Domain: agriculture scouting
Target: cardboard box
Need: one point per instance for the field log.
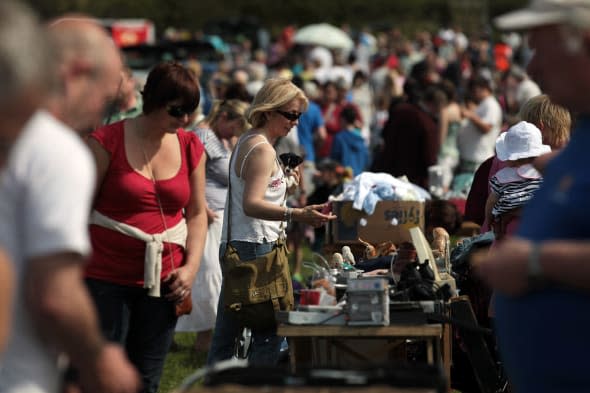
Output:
(391, 221)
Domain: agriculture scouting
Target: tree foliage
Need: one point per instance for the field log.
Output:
(408, 15)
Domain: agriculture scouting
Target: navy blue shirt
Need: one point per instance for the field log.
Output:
(543, 335)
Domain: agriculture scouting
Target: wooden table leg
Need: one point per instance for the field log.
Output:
(430, 351)
(447, 353)
(300, 353)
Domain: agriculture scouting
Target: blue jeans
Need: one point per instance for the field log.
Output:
(266, 345)
(144, 325)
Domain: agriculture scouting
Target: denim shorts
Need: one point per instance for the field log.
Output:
(248, 251)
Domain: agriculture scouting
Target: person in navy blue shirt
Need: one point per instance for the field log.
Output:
(542, 275)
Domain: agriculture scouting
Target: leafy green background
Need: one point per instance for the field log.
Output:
(408, 15)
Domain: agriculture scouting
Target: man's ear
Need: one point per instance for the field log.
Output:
(72, 73)
(78, 67)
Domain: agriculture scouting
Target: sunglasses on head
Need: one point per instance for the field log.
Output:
(179, 111)
(293, 116)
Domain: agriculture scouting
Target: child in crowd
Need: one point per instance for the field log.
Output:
(553, 120)
(349, 147)
(514, 185)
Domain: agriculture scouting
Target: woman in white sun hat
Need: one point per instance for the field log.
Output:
(514, 185)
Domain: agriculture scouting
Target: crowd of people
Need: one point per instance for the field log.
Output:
(120, 200)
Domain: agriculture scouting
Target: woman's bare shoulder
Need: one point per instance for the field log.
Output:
(257, 142)
(454, 112)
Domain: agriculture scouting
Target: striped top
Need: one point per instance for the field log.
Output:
(515, 186)
(217, 168)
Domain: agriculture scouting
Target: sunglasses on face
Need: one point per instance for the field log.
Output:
(179, 111)
(293, 116)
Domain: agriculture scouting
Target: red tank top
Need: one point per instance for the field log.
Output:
(129, 197)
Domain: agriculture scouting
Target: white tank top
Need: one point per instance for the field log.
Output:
(246, 228)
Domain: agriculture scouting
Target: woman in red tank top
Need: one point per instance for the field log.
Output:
(149, 220)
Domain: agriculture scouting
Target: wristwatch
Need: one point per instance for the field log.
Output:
(536, 279)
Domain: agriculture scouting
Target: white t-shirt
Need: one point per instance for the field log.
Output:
(526, 90)
(475, 146)
(46, 193)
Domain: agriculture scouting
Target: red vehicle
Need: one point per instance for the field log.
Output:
(131, 32)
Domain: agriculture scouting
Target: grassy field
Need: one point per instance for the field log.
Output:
(181, 362)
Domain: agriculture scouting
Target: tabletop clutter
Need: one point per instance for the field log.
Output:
(377, 266)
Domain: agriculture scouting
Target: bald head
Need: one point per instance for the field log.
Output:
(89, 68)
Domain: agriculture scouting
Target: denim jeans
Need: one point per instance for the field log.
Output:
(266, 345)
(144, 325)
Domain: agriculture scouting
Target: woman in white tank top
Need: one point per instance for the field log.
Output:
(258, 211)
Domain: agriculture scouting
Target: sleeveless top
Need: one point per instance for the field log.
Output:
(129, 197)
(449, 147)
(243, 227)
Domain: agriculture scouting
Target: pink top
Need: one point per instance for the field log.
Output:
(128, 196)
(496, 166)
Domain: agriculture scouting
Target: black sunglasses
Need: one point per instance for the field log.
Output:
(293, 116)
(179, 111)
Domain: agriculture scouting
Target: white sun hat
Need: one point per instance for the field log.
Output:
(522, 140)
(546, 12)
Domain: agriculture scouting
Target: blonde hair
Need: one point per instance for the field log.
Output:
(553, 120)
(235, 109)
(274, 94)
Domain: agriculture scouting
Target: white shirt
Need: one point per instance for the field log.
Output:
(526, 90)
(474, 145)
(46, 193)
(244, 227)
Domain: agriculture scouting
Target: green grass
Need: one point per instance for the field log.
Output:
(181, 362)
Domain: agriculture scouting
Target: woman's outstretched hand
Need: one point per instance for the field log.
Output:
(312, 215)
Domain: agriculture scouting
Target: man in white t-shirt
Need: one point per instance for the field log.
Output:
(477, 137)
(47, 189)
(21, 91)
